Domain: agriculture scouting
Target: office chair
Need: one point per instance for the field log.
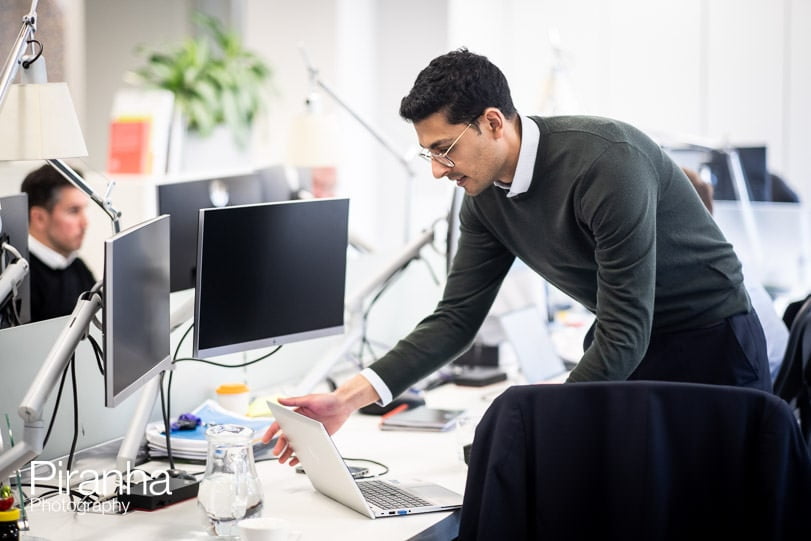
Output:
(637, 460)
(793, 381)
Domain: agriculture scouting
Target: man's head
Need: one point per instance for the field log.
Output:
(704, 189)
(465, 120)
(461, 85)
(56, 210)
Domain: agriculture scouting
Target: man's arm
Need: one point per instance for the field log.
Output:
(619, 204)
(331, 409)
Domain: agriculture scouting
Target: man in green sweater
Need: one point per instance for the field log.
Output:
(595, 207)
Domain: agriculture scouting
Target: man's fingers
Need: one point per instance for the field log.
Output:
(270, 432)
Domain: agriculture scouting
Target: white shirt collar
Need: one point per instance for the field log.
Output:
(49, 256)
(530, 138)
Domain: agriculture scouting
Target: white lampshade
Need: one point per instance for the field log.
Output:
(38, 122)
(313, 141)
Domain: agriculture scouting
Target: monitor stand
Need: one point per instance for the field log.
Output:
(129, 451)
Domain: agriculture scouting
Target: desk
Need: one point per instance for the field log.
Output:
(287, 494)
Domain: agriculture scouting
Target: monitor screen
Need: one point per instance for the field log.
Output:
(183, 200)
(270, 274)
(14, 231)
(135, 308)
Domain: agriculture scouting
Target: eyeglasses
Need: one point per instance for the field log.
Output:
(442, 158)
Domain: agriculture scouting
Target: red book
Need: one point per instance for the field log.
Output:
(129, 149)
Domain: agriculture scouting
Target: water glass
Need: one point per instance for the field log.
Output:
(230, 489)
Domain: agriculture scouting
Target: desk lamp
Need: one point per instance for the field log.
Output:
(38, 121)
(37, 118)
(314, 136)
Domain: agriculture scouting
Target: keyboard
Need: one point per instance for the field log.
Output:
(387, 496)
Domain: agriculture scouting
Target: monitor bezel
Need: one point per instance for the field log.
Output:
(269, 341)
(158, 313)
(249, 187)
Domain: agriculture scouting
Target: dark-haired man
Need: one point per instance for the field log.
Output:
(596, 208)
(57, 224)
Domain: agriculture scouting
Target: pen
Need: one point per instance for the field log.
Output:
(394, 411)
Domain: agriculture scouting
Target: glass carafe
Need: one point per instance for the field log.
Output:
(230, 490)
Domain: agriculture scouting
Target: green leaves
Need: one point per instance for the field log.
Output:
(6, 498)
(215, 81)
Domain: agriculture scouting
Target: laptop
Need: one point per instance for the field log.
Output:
(330, 476)
(527, 332)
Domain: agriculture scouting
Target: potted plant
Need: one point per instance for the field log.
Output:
(215, 80)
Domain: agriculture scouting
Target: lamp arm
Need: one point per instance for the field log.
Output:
(13, 275)
(316, 79)
(408, 252)
(66, 171)
(12, 64)
(31, 407)
(354, 306)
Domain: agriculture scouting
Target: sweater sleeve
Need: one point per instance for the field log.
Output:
(618, 206)
(479, 267)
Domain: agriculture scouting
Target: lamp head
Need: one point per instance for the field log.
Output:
(314, 136)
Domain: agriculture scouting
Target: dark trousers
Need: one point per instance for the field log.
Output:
(729, 352)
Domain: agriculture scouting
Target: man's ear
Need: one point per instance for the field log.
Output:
(493, 121)
(37, 218)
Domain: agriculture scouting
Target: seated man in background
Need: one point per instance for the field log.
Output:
(57, 225)
(773, 327)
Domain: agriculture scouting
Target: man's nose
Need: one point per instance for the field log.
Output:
(439, 170)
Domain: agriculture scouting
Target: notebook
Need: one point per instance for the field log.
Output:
(421, 418)
(528, 334)
(330, 476)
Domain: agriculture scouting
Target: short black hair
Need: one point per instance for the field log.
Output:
(44, 186)
(462, 85)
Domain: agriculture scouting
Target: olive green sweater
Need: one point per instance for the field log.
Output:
(610, 220)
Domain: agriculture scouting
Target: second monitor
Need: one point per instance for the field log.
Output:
(270, 274)
(183, 200)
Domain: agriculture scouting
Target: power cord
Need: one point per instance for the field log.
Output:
(370, 461)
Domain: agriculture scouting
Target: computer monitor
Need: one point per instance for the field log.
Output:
(183, 200)
(14, 229)
(270, 274)
(135, 308)
(715, 162)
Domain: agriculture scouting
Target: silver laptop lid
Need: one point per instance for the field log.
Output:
(323, 463)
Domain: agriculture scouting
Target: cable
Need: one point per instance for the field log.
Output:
(224, 365)
(180, 342)
(56, 406)
(72, 365)
(166, 428)
(26, 63)
(99, 353)
(370, 461)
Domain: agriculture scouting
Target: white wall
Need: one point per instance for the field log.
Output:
(728, 70)
(736, 70)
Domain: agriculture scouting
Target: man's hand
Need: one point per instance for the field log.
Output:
(331, 409)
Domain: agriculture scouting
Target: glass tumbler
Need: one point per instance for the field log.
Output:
(230, 489)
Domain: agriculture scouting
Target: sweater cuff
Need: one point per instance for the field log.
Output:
(382, 389)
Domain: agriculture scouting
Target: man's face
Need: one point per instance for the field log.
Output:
(476, 155)
(64, 227)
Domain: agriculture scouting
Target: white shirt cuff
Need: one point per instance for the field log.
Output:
(382, 389)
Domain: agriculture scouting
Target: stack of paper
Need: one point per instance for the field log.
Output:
(191, 444)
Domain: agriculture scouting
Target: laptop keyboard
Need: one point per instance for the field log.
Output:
(387, 496)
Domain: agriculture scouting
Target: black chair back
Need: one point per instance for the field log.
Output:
(793, 381)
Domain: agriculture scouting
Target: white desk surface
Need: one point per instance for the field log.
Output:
(287, 494)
